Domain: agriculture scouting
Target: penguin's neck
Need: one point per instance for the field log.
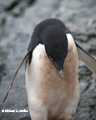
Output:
(40, 65)
(71, 61)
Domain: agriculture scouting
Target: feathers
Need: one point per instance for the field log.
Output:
(87, 59)
(51, 49)
(22, 63)
(49, 95)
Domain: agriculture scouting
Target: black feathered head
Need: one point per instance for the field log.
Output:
(56, 45)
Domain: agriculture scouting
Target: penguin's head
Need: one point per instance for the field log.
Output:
(56, 45)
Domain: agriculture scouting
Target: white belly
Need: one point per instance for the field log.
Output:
(48, 94)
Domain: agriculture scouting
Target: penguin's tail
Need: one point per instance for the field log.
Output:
(21, 64)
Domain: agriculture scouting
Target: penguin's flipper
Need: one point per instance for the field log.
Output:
(22, 63)
(87, 59)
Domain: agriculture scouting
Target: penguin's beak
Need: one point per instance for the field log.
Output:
(61, 73)
(58, 66)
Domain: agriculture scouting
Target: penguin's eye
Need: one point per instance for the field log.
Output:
(51, 58)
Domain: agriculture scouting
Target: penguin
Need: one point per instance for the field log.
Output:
(52, 71)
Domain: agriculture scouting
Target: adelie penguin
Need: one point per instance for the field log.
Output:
(52, 72)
